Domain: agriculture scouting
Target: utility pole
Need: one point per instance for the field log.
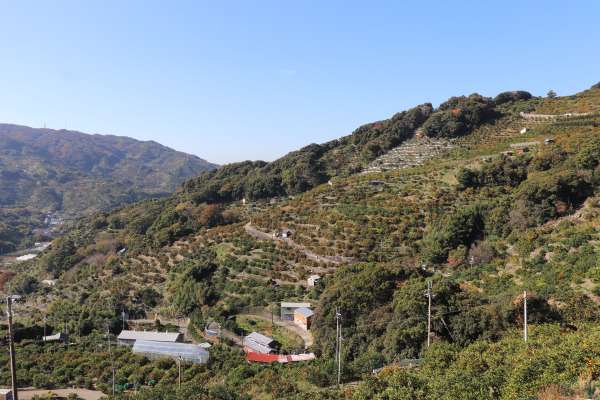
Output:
(113, 372)
(180, 371)
(108, 337)
(45, 341)
(340, 357)
(11, 345)
(428, 294)
(525, 313)
(337, 331)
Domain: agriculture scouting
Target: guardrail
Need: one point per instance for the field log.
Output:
(407, 363)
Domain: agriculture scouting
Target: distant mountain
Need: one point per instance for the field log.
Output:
(70, 171)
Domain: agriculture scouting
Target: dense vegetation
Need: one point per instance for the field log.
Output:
(71, 173)
(480, 225)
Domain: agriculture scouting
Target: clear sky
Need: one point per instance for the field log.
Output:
(250, 79)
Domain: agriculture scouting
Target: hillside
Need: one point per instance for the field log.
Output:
(72, 173)
(481, 225)
(58, 170)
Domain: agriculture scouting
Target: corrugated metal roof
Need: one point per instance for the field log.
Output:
(305, 312)
(295, 305)
(260, 338)
(257, 347)
(57, 336)
(151, 336)
(295, 358)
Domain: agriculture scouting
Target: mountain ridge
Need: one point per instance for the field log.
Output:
(37, 159)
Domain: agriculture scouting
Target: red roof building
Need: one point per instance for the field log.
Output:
(282, 359)
(262, 358)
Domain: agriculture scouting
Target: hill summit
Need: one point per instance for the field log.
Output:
(56, 170)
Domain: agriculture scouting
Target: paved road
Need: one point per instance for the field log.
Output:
(83, 394)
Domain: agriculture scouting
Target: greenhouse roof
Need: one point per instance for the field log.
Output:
(186, 351)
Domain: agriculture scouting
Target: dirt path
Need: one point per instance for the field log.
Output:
(84, 394)
(309, 254)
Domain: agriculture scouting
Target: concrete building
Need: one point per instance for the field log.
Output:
(287, 310)
(303, 317)
(311, 280)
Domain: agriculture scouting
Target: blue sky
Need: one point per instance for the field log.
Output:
(237, 80)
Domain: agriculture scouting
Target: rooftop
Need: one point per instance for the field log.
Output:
(266, 358)
(305, 312)
(295, 305)
(188, 352)
(259, 357)
(258, 347)
(260, 338)
(151, 336)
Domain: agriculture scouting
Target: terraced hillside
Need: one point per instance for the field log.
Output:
(470, 227)
(412, 153)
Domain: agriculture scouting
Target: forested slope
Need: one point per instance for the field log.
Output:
(482, 226)
(72, 171)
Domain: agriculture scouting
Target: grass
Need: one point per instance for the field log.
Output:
(282, 335)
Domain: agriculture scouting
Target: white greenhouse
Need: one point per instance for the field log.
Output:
(187, 352)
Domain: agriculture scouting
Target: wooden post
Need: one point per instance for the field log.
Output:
(525, 313)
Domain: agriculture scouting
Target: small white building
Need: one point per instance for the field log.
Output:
(51, 282)
(63, 337)
(525, 130)
(311, 280)
(130, 337)
(287, 310)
